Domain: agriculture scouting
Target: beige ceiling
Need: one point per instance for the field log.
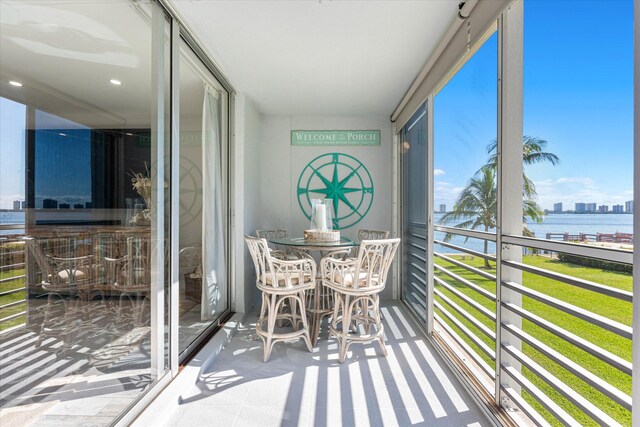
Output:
(64, 52)
(320, 57)
(291, 57)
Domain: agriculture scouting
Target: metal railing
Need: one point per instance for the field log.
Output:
(461, 311)
(12, 280)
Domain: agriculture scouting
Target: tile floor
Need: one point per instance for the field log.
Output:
(88, 377)
(412, 386)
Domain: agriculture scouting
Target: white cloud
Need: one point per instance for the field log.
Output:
(572, 190)
(438, 172)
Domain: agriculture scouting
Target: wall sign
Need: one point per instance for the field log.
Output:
(335, 137)
(341, 178)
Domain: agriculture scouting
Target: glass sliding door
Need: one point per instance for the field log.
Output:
(465, 125)
(83, 230)
(203, 272)
(414, 212)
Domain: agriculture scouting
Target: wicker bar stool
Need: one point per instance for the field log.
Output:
(357, 283)
(281, 280)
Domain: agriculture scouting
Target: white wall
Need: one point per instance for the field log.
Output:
(246, 154)
(280, 166)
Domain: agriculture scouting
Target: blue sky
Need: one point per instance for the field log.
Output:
(578, 95)
(63, 156)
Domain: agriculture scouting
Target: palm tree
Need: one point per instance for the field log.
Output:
(476, 205)
(532, 153)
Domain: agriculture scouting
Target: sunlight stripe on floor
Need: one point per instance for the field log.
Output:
(334, 401)
(393, 328)
(12, 361)
(451, 391)
(27, 370)
(10, 351)
(421, 379)
(33, 379)
(309, 395)
(358, 396)
(406, 394)
(3, 343)
(379, 386)
(404, 321)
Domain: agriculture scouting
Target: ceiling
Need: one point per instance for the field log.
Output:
(320, 57)
(64, 52)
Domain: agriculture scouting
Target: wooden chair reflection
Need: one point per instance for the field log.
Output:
(130, 278)
(66, 280)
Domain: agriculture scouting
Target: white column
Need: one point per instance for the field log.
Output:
(635, 390)
(174, 294)
(509, 179)
(429, 200)
(157, 186)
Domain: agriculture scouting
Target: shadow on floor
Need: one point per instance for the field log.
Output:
(409, 387)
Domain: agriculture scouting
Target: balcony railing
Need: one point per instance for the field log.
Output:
(564, 337)
(13, 303)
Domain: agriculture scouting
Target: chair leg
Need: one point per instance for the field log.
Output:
(293, 302)
(343, 342)
(376, 308)
(305, 325)
(337, 302)
(271, 324)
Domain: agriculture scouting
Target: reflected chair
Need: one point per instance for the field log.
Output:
(281, 280)
(131, 277)
(190, 266)
(66, 279)
(357, 283)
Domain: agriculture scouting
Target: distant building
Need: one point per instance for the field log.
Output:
(49, 204)
(581, 207)
(557, 208)
(443, 208)
(628, 206)
(16, 205)
(617, 209)
(64, 206)
(603, 209)
(78, 206)
(591, 207)
(23, 204)
(87, 205)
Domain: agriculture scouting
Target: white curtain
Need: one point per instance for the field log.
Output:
(214, 289)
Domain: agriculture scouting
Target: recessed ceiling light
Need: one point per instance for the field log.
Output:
(115, 82)
(129, 133)
(15, 83)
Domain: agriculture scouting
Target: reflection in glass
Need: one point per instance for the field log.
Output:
(414, 220)
(202, 260)
(77, 265)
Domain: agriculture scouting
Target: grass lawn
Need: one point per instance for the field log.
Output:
(603, 305)
(7, 299)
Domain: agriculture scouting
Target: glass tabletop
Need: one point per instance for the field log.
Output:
(302, 243)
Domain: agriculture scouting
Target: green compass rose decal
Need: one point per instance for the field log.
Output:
(341, 178)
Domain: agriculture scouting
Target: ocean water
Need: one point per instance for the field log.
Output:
(7, 218)
(555, 223)
(552, 223)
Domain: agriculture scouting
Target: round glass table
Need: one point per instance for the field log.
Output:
(301, 244)
(320, 299)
